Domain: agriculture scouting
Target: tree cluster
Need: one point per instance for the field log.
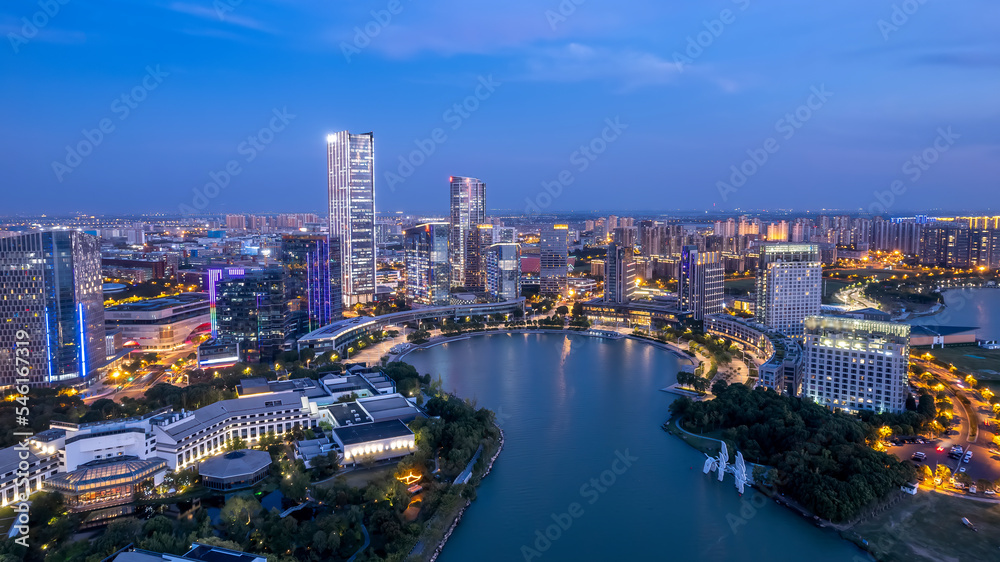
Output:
(824, 460)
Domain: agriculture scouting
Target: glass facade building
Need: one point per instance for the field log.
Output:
(312, 281)
(248, 307)
(619, 274)
(51, 306)
(503, 271)
(428, 271)
(701, 287)
(468, 210)
(351, 165)
(553, 253)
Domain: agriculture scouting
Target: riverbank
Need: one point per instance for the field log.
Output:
(457, 517)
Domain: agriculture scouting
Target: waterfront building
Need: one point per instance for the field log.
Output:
(351, 165)
(160, 324)
(468, 210)
(248, 307)
(619, 283)
(428, 271)
(780, 357)
(701, 286)
(503, 271)
(789, 286)
(553, 254)
(312, 277)
(855, 364)
(52, 307)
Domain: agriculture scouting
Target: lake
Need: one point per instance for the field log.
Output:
(586, 463)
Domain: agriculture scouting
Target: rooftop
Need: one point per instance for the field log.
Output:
(235, 463)
(355, 434)
(161, 303)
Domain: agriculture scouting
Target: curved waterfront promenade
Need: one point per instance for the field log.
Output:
(441, 339)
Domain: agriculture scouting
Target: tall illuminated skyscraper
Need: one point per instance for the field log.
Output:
(428, 275)
(312, 281)
(468, 210)
(619, 274)
(701, 287)
(351, 164)
(51, 306)
(503, 270)
(789, 286)
(552, 259)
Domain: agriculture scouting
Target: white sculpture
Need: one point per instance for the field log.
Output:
(721, 464)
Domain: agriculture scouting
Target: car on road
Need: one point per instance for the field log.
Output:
(989, 492)
(919, 456)
(968, 457)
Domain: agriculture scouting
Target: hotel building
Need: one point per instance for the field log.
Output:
(855, 364)
(789, 286)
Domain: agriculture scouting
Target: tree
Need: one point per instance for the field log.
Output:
(236, 444)
(942, 472)
(238, 514)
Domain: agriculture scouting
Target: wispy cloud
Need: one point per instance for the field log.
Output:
(215, 15)
(576, 62)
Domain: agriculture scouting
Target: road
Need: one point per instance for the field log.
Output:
(138, 387)
(985, 462)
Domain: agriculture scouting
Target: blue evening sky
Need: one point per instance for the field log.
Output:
(902, 77)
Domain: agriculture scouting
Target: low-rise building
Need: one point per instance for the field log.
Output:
(160, 324)
(779, 356)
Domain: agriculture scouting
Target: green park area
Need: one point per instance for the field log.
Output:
(984, 364)
(929, 527)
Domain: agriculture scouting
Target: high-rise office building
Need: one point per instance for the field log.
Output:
(248, 307)
(468, 210)
(503, 270)
(701, 286)
(553, 253)
(51, 306)
(351, 164)
(428, 270)
(312, 281)
(478, 242)
(619, 274)
(789, 286)
(855, 364)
